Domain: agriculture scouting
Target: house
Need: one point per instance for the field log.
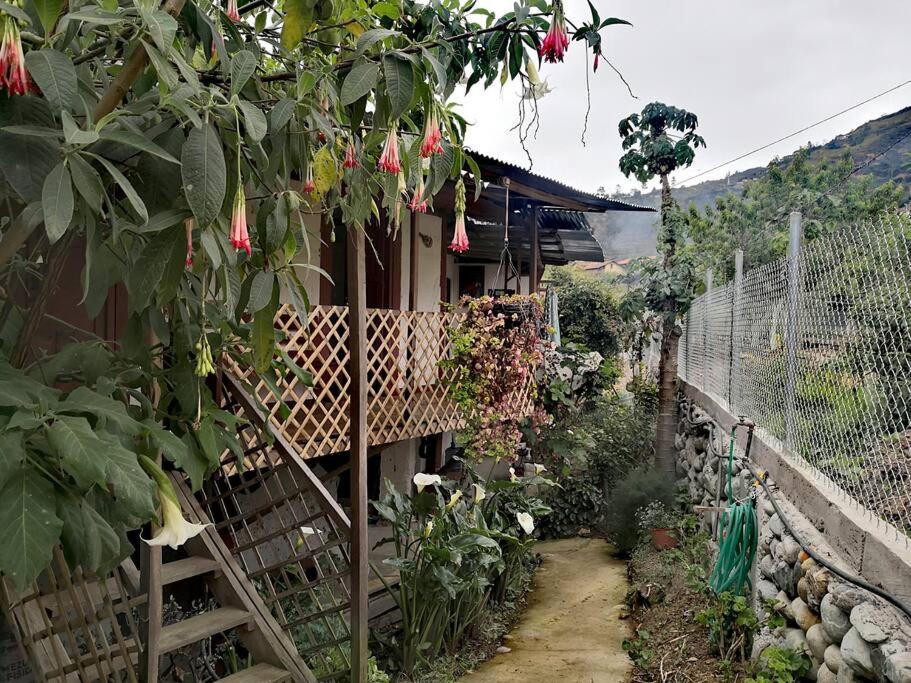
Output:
(283, 564)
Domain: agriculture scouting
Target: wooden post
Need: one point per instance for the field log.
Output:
(533, 275)
(357, 369)
(413, 264)
(151, 610)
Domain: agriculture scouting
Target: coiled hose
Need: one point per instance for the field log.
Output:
(739, 539)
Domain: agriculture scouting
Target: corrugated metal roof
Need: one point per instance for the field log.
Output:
(497, 167)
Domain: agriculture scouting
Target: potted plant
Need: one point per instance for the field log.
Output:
(657, 520)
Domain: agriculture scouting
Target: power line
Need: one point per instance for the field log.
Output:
(798, 132)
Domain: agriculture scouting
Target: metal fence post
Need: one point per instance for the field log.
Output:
(734, 358)
(791, 330)
(709, 275)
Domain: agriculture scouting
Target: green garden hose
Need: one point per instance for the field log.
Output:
(740, 536)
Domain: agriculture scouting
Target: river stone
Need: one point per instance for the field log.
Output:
(832, 657)
(767, 507)
(682, 469)
(847, 675)
(785, 577)
(855, 652)
(834, 619)
(815, 666)
(679, 441)
(766, 589)
(825, 675)
(871, 622)
(817, 581)
(775, 525)
(796, 639)
(767, 566)
(765, 540)
(788, 550)
(699, 443)
(802, 589)
(847, 597)
(897, 668)
(802, 614)
(818, 640)
(783, 605)
(773, 547)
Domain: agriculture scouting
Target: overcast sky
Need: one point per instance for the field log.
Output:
(752, 70)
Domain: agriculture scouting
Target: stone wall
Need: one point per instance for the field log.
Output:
(850, 634)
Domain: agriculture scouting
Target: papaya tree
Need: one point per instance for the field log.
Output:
(174, 149)
(658, 141)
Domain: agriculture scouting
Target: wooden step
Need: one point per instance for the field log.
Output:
(261, 673)
(187, 568)
(194, 629)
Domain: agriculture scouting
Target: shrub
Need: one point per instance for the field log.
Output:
(781, 665)
(636, 490)
(588, 311)
(731, 623)
(578, 501)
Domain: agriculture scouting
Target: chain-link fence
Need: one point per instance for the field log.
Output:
(816, 349)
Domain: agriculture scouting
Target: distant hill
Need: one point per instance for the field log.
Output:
(627, 235)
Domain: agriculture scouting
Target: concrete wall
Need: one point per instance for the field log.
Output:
(850, 634)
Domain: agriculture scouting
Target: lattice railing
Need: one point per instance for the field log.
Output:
(408, 391)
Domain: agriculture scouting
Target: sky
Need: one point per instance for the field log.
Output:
(752, 70)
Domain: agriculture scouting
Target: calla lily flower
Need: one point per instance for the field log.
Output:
(428, 528)
(539, 468)
(454, 499)
(512, 474)
(421, 480)
(176, 530)
(479, 493)
(526, 522)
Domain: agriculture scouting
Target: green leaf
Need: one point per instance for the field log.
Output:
(73, 134)
(16, 12)
(263, 337)
(12, 454)
(254, 120)
(399, 84)
(94, 15)
(29, 526)
(146, 275)
(298, 18)
(79, 449)
(48, 11)
(137, 141)
(281, 113)
(89, 541)
(204, 174)
(438, 69)
(369, 38)
(162, 27)
(261, 290)
(180, 454)
(243, 65)
(128, 190)
(83, 400)
(57, 202)
(87, 181)
(359, 81)
(132, 486)
(55, 74)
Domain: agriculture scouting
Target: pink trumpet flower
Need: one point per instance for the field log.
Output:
(417, 204)
(430, 145)
(350, 157)
(232, 12)
(389, 159)
(240, 238)
(459, 242)
(556, 41)
(189, 224)
(13, 76)
(309, 185)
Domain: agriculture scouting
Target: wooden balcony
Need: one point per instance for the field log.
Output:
(408, 391)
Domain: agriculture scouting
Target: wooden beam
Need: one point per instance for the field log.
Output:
(546, 197)
(448, 227)
(413, 264)
(150, 611)
(357, 370)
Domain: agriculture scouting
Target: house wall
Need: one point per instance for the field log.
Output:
(428, 262)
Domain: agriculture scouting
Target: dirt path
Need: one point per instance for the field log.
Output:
(570, 631)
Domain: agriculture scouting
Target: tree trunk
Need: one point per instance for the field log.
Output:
(670, 337)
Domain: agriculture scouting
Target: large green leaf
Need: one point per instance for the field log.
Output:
(132, 486)
(88, 539)
(180, 454)
(128, 190)
(162, 27)
(48, 11)
(55, 74)
(80, 451)
(84, 401)
(204, 174)
(87, 181)
(147, 273)
(12, 454)
(137, 141)
(359, 81)
(399, 75)
(29, 526)
(254, 120)
(243, 65)
(298, 17)
(263, 337)
(57, 202)
(261, 290)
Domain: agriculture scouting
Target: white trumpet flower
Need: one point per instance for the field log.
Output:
(512, 474)
(176, 530)
(539, 468)
(479, 493)
(422, 480)
(526, 522)
(453, 500)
